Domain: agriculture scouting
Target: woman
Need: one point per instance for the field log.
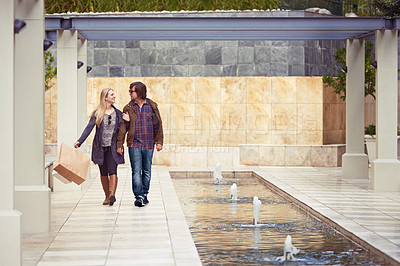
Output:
(107, 119)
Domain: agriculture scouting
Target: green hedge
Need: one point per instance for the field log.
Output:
(61, 6)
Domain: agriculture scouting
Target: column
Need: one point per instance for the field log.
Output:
(82, 95)
(10, 219)
(82, 91)
(355, 161)
(32, 196)
(386, 167)
(67, 95)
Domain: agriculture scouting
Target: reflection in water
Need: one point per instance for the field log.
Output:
(223, 232)
(233, 207)
(257, 238)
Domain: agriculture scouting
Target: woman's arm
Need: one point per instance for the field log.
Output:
(86, 132)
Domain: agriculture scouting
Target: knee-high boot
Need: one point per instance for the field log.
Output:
(113, 188)
(106, 188)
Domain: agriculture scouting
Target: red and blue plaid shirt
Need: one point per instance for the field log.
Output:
(144, 134)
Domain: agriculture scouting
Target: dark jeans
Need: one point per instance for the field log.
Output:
(141, 170)
(109, 166)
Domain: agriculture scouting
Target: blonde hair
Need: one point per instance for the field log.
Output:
(101, 108)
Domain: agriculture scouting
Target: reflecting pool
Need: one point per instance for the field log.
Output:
(224, 233)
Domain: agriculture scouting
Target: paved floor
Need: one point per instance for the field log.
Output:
(84, 232)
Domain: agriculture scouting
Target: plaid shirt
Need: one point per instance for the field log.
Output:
(144, 134)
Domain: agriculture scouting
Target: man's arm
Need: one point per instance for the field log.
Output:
(121, 135)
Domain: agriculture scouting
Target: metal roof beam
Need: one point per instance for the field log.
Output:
(218, 28)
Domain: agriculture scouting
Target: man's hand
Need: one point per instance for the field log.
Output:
(159, 147)
(120, 150)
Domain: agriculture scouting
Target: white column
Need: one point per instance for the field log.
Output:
(355, 161)
(67, 95)
(386, 167)
(82, 95)
(82, 90)
(10, 219)
(32, 196)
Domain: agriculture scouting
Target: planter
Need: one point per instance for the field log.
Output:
(370, 141)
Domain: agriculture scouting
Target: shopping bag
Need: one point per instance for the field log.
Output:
(60, 177)
(72, 164)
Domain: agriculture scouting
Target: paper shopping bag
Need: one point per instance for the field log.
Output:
(72, 164)
(60, 177)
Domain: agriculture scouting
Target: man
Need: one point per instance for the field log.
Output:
(144, 131)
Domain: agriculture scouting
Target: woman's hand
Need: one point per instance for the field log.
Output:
(120, 150)
(126, 117)
(77, 145)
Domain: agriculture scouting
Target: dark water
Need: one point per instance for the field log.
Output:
(224, 235)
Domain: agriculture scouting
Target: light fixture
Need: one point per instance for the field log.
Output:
(374, 64)
(344, 69)
(80, 64)
(47, 44)
(19, 24)
(88, 69)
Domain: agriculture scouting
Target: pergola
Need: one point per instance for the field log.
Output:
(190, 26)
(22, 135)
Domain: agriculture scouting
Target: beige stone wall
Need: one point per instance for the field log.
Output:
(222, 111)
(50, 106)
(334, 118)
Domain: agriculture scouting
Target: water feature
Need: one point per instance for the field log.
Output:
(256, 210)
(224, 234)
(233, 191)
(217, 173)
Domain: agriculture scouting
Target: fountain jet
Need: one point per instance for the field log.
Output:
(289, 250)
(217, 173)
(257, 209)
(233, 191)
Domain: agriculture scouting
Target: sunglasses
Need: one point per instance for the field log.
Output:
(130, 91)
(109, 119)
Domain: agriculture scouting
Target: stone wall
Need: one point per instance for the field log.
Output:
(226, 112)
(210, 58)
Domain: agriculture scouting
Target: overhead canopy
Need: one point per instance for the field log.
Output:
(105, 27)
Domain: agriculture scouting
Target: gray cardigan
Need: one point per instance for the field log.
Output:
(97, 150)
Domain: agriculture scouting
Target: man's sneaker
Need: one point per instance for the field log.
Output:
(145, 200)
(139, 201)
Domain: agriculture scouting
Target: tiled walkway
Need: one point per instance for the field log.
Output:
(86, 233)
(351, 204)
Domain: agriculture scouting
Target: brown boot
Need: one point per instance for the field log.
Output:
(106, 188)
(113, 188)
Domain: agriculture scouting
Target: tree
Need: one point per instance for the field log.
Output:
(389, 8)
(49, 70)
(339, 83)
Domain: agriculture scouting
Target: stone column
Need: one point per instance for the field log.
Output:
(10, 219)
(32, 196)
(355, 161)
(386, 167)
(67, 95)
(82, 87)
(82, 94)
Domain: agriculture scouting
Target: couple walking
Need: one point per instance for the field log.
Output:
(141, 122)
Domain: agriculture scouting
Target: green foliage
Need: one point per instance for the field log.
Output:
(49, 70)
(388, 8)
(370, 130)
(60, 6)
(338, 83)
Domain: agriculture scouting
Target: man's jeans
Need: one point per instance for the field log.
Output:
(141, 170)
